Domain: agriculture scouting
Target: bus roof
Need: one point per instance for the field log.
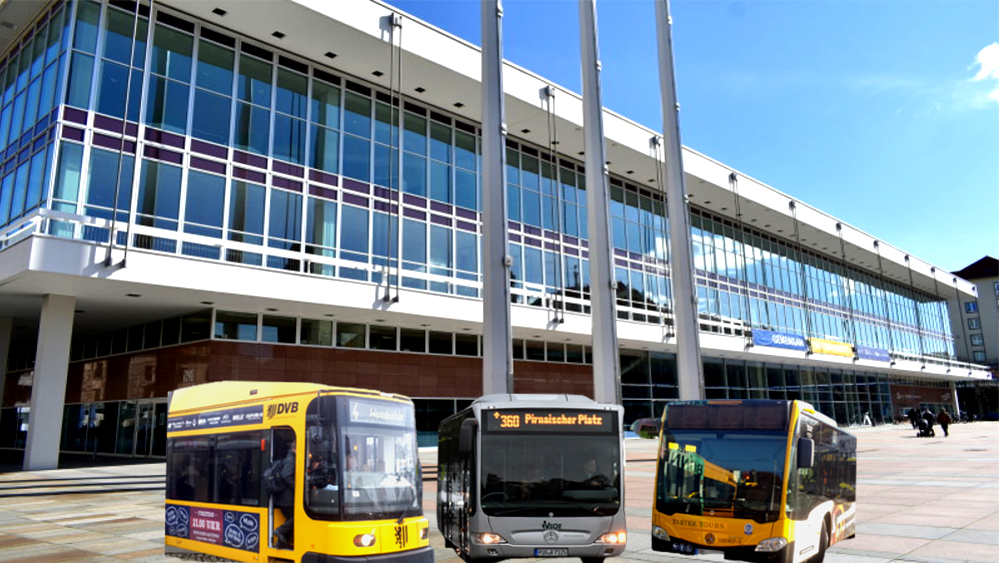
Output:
(220, 393)
(532, 397)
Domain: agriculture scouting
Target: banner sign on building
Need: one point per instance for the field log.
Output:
(226, 528)
(831, 347)
(217, 419)
(875, 354)
(778, 340)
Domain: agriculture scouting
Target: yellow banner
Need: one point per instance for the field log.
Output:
(831, 347)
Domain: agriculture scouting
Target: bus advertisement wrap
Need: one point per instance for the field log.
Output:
(240, 416)
(227, 528)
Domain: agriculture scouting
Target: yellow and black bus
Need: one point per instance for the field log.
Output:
(758, 480)
(357, 493)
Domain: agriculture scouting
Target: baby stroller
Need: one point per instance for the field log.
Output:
(924, 428)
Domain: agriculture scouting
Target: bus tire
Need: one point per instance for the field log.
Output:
(824, 542)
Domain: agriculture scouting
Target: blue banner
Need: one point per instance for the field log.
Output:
(217, 526)
(778, 340)
(876, 354)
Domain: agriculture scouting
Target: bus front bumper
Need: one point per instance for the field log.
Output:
(419, 555)
(506, 550)
(743, 553)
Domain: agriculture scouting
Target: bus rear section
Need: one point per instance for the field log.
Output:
(532, 476)
(355, 493)
(760, 481)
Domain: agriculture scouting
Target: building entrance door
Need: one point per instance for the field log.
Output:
(150, 428)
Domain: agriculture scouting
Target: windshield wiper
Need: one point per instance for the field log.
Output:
(413, 499)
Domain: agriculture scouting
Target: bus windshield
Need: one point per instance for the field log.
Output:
(374, 473)
(550, 475)
(735, 474)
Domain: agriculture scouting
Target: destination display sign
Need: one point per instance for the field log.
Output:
(380, 412)
(228, 528)
(239, 416)
(549, 420)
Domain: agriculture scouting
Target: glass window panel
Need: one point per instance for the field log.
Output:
(289, 139)
(6, 194)
(386, 164)
(354, 229)
(80, 73)
(292, 89)
(513, 203)
(246, 211)
(67, 186)
(118, 39)
(278, 329)
(88, 16)
(211, 117)
(414, 134)
(465, 150)
(350, 335)
(414, 174)
(286, 215)
(465, 189)
(235, 326)
(316, 333)
(440, 342)
(533, 265)
(254, 81)
(114, 89)
(384, 235)
(441, 250)
(325, 104)
(172, 52)
(466, 251)
(357, 115)
(159, 194)
(205, 202)
(101, 184)
(441, 182)
(167, 104)
(252, 128)
(412, 340)
(382, 337)
(321, 222)
(466, 344)
(215, 68)
(357, 158)
(441, 142)
(325, 153)
(386, 124)
(532, 207)
(414, 241)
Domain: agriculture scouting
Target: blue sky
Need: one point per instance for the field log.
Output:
(883, 114)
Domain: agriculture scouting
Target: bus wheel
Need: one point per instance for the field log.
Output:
(824, 542)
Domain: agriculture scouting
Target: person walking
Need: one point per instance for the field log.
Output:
(944, 420)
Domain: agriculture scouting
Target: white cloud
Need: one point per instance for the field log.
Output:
(988, 60)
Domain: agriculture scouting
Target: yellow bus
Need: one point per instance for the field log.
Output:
(757, 480)
(357, 492)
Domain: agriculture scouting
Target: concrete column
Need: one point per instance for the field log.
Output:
(48, 388)
(6, 329)
(954, 401)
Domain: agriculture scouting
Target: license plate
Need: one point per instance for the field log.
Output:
(552, 552)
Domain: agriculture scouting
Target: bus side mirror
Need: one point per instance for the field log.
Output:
(466, 435)
(806, 452)
(648, 428)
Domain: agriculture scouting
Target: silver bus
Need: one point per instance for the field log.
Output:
(532, 476)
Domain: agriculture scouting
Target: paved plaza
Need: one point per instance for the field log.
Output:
(932, 500)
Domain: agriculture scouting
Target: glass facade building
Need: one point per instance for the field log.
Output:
(151, 130)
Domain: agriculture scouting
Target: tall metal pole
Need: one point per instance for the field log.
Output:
(603, 317)
(689, 371)
(498, 372)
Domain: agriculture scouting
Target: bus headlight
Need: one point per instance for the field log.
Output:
(613, 537)
(490, 539)
(423, 533)
(660, 534)
(772, 544)
(365, 540)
